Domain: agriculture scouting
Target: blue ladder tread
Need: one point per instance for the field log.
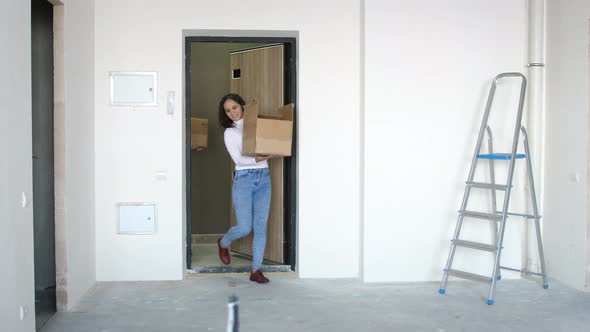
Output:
(499, 156)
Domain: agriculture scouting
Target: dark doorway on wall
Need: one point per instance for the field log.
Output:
(208, 172)
(43, 169)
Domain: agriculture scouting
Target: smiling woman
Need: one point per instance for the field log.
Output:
(231, 108)
(251, 187)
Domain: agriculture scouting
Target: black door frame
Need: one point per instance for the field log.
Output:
(290, 165)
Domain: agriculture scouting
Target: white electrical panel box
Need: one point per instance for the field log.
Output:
(134, 88)
(136, 218)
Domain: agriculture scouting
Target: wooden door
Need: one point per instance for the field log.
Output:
(258, 74)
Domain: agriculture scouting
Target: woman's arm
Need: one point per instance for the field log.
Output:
(232, 144)
(262, 157)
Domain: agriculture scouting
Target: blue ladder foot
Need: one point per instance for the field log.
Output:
(498, 277)
(490, 302)
(442, 291)
(546, 286)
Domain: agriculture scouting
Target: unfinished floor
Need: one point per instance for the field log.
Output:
(207, 255)
(198, 303)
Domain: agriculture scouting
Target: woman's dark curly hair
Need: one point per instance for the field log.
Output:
(224, 120)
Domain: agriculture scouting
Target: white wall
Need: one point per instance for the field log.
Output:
(16, 222)
(131, 145)
(428, 67)
(567, 140)
(79, 148)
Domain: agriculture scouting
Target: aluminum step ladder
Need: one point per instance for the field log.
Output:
(500, 216)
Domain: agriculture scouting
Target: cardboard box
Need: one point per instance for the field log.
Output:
(267, 134)
(199, 132)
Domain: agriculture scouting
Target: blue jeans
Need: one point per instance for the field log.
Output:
(251, 198)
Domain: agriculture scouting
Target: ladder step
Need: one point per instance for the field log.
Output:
(475, 245)
(499, 156)
(487, 185)
(529, 216)
(470, 276)
(481, 215)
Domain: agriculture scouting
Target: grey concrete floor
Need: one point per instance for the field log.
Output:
(199, 303)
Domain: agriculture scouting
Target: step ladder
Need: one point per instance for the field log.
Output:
(500, 216)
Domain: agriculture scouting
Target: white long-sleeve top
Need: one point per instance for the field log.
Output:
(233, 143)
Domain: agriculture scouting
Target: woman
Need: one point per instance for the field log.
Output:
(251, 187)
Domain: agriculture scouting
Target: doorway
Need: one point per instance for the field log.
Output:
(209, 170)
(43, 160)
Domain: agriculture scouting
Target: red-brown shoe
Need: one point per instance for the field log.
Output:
(223, 253)
(258, 277)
